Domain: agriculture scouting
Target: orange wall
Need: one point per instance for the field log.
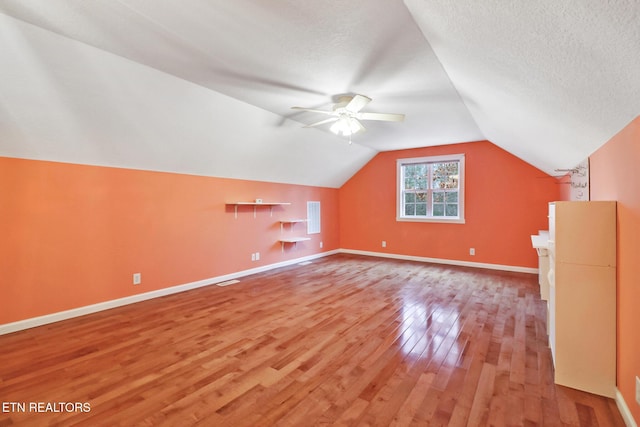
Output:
(565, 187)
(615, 176)
(73, 235)
(505, 202)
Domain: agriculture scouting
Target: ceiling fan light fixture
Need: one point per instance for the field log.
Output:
(345, 126)
(346, 115)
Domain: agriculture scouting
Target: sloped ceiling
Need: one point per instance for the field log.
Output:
(550, 81)
(206, 86)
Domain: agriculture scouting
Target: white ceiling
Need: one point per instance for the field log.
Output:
(206, 86)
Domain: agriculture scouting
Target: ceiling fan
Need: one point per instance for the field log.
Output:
(346, 115)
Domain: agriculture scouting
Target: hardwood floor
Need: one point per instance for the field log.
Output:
(347, 340)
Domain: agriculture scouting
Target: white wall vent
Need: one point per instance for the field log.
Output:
(228, 282)
(313, 217)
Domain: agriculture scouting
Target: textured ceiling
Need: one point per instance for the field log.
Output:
(550, 81)
(206, 86)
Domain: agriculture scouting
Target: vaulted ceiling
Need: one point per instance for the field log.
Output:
(205, 86)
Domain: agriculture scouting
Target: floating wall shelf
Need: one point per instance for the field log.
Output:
(290, 221)
(255, 206)
(294, 240)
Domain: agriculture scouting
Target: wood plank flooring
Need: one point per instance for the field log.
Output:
(344, 341)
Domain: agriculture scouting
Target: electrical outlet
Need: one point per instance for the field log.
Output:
(253, 256)
(472, 251)
(257, 256)
(638, 390)
(137, 278)
(384, 243)
(320, 245)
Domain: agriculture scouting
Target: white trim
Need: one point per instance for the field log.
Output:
(513, 268)
(442, 220)
(431, 159)
(8, 328)
(106, 305)
(624, 410)
(401, 217)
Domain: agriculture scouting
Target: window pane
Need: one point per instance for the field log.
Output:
(438, 209)
(415, 176)
(451, 197)
(421, 209)
(445, 175)
(421, 197)
(438, 197)
(410, 210)
(409, 197)
(409, 176)
(452, 210)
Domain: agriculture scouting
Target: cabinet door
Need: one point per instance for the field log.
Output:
(585, 328)
(585, 233)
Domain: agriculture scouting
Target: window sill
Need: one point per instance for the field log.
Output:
(436, 220)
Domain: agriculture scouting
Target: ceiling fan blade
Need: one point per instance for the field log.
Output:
(357, 103)
(330, 113)
(387, 117)
(321, 122)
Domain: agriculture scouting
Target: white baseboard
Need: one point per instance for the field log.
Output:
(624, 410)
(513, 268)
(33, 322)
(106, 305)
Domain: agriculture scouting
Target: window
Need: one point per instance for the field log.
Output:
(431, 189)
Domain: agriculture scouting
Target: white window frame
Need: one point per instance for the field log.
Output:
(400, 216)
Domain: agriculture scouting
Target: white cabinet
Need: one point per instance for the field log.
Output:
(582, 295)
